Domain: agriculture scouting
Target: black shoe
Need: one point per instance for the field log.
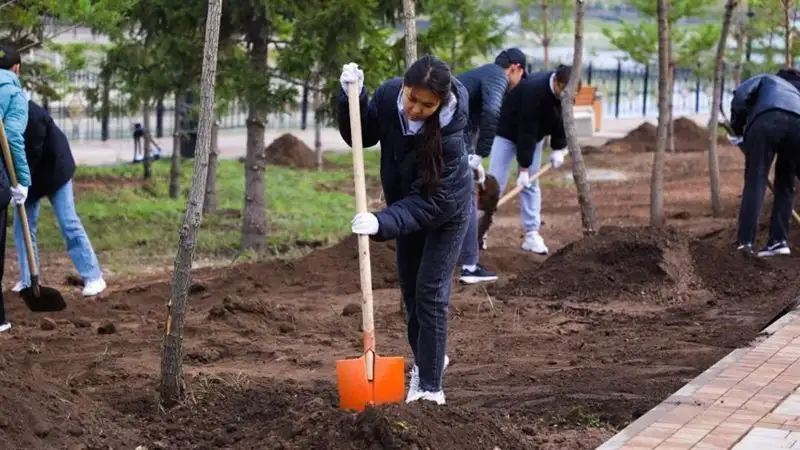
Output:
(775, 248)
(745, 248)
(480, 274)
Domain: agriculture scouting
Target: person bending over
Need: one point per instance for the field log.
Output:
(530, 111)
(419, 121)
(765, 119)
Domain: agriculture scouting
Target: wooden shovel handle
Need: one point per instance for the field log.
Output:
(517, 189)
(12, 176)
(363, 240)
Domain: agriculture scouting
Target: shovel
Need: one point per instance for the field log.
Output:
(369, 379)
(518, 188)
(37, 298)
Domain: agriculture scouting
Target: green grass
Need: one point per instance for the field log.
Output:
(127, 220)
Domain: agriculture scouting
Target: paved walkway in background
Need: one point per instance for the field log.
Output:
(750, 400)
(232, 143)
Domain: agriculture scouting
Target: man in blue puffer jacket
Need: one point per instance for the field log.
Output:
(486, 85)
(14, 114)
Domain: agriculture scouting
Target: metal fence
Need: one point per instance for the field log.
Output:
(629, 90)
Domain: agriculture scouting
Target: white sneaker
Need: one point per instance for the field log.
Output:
(413, 383)
(18, 287)
(94, 287)
(534, 243)
(436, 397)
(5, 327)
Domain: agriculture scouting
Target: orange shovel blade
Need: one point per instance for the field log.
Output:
(356, 392)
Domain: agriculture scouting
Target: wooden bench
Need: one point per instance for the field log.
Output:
(587, 96)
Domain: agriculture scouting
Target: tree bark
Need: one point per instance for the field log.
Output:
(318, 130)
(171, 383)
(588, 213)
(410, 31)
(210, 199)
(175, 159)
(254, 215)
(716, 100)
(657, 179)
(788, 32)
(739, 23)
(147, 162)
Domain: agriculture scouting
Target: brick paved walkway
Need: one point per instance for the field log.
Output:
(750, 400)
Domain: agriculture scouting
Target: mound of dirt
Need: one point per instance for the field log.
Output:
(617, 259)
(689, 137)
(334, 268)
(289, 151)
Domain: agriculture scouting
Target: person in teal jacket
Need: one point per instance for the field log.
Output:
(14, 114)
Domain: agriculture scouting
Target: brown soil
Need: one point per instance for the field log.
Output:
(289, 151)
(558, 355)
(689, 137)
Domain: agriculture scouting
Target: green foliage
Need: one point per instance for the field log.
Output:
(690, 47)
(548, 26)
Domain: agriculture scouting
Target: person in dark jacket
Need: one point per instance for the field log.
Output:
(419, 121)
(765, 119)
(530, 111)
(52, 167)
(486, 86)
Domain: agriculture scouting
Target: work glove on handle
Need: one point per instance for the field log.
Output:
(476, 164)
(735, 140)
(351, 74)
(480, 175)
(365, 223)
(557, 158)
(524, 178)
(19, 194)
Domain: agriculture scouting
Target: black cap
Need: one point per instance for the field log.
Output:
(8, 57)
(511, 56)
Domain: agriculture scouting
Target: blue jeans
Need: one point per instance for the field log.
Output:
(78, 246)
(469, 250)
(504, 152)
(425, 263)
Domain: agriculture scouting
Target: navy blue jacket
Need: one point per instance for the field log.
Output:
(530, 112)
(48, 152)
(409, 210)
(486, 86)
(760, 94)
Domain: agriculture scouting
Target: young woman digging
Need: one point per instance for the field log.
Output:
(419, 121)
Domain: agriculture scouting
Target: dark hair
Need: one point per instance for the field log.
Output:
(9, 57)
(433, 74)
(563, 73)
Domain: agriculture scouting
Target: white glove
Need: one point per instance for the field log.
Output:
(735, 140)
(524, 178)
(352, 74)
(481, 174)
(557, 158)
(365, 223)
(19, 193)
(475, 161)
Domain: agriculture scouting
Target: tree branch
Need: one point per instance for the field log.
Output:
(37, 44)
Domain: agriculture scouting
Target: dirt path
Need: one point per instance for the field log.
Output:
(554, 356)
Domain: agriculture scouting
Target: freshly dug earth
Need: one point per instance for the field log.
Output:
(289, 151)
(689, 137)
(556, 356)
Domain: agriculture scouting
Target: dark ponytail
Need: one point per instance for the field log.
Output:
(433, 74)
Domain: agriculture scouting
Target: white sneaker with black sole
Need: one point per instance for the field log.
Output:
(476, 274)
(534, 243)
(775, 249)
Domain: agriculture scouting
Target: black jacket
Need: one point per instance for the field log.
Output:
(760, 94)
(486, 87)
(408, 210)
(530, 112)
(49, 155)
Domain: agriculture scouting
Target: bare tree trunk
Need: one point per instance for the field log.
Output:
(147, 163)
(254, 216)
(545, 35)
(210, 199)
(410, 28)
(670, 102)
(739, 23)
(318, 131)
(175, 159)
(788, 31)
(588, 213)
(171, 384)
(657, 179)
(713, 160)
